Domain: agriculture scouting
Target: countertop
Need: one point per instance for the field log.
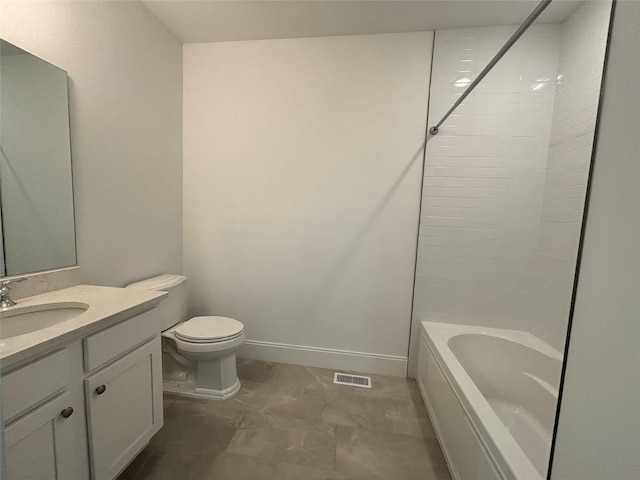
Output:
(107, 306)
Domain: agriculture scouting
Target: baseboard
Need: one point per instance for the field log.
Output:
(324, 358)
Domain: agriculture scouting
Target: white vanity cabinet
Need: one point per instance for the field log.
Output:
(44, 416)
(124, 398)
(85, 410)
(41, 444)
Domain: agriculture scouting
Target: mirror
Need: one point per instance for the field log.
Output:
(37, 229)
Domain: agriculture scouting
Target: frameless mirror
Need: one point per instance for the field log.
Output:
(37, 230)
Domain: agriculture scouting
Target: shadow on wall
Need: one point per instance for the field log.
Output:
(328, 285)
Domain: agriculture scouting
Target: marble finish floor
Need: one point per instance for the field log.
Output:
(292, 423)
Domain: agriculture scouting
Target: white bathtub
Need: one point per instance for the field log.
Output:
(492, 395)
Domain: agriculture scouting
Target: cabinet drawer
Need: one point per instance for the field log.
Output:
(109, 344)
(28, 386)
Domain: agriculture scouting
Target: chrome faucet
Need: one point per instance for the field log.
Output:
(5, 287)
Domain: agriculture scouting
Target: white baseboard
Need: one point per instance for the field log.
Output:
(324, 358)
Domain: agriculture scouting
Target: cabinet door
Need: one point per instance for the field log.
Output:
(124, 409)
(39, 446)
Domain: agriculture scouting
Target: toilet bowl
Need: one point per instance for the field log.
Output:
(199, 354)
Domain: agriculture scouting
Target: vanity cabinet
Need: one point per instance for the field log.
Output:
(44, 416)
(86, 410)
(124, 409)
(40, 444)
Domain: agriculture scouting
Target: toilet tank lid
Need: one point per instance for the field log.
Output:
(161, 282)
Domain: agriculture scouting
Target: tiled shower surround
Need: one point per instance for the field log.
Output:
(505, 178)
(572, 133)
(484, 177)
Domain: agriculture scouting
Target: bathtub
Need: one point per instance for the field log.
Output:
(492, 396)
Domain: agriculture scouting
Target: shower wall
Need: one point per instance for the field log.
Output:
(505, 179)
(584, 38)
(484, 176)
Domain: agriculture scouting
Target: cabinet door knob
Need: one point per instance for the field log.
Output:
(101, 389)
(66, 413)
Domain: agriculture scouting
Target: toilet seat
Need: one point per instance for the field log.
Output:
(208, 329)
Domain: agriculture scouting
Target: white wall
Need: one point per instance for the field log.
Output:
(483, 178)
(599, 425)
(302, 173)
(125, 76)
(584, 38)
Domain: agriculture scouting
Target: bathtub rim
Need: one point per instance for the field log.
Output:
(504, 452)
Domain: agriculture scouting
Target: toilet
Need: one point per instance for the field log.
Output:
(198, 354)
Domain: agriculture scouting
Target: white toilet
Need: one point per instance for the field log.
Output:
(199, 354)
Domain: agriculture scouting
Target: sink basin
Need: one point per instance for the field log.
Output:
(21, 320)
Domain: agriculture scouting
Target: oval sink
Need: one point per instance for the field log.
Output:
(31, 318)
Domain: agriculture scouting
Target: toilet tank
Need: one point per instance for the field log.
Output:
(172, 309)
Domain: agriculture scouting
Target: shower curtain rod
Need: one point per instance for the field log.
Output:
(514, 38)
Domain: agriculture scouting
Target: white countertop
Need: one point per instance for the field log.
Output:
(107, 306)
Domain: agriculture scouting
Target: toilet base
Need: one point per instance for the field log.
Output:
(190, 389)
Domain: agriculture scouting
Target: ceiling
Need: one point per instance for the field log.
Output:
(195, 21)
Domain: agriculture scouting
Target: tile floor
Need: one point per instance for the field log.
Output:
(292, 422)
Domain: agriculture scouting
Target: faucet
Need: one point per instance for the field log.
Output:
(5, 287)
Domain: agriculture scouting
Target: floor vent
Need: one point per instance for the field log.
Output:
(353, 380)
